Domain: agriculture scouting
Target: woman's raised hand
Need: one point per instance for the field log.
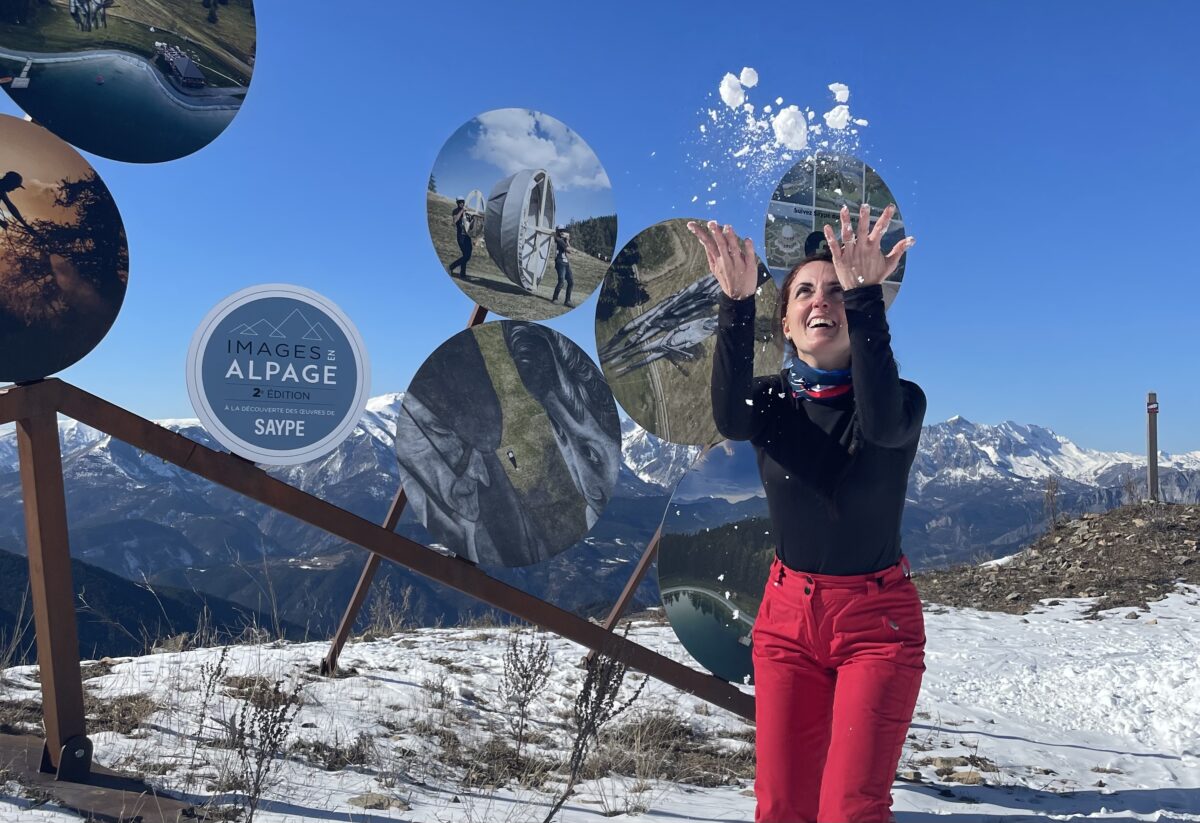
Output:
(731, 261)
(859, 260)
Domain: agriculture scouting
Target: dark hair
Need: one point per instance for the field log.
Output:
(549, 363)
(812, 243)
(785, 291)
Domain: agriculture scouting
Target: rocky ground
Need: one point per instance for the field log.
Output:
(1124, 558)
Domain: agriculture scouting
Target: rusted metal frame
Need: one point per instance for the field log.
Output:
(635, 580)
(330, 661)
(28, 400)
(67, 749)
(639, 571)
(239, 476)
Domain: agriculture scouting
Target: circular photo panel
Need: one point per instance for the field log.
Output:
(521, 214)
(63, 258)
(810, 196)
(714, 556)
(509, 443)
(656, 327)
(140, 81)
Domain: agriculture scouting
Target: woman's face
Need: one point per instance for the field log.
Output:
(815, 320)
(588, 452)
(447, 472)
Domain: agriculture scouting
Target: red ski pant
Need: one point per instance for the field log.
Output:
(837, 668)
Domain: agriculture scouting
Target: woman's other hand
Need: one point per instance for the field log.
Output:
(731, 261)
(858, 259)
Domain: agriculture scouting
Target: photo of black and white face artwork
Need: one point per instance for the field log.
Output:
(810, 196)
(656, 326)
(713, 558)
(509, 443)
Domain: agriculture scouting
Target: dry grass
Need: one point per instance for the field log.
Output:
(661, 745)
(121, 714)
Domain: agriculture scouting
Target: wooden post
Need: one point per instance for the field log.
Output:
(67, 749)
(1152, 444)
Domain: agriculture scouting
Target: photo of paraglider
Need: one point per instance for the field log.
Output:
(713, 558)
(810, 196)
(509, 444)
(656, 325)
(139, 81)
(521, 214)
(64, 261)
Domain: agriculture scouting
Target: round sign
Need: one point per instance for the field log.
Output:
(713, 558)
(521, 214)
(278, 374)
(140, 81)
(509, 443)
(64, 262)
(656, 333)
(810, 196)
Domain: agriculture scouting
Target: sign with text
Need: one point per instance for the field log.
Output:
(278, 374)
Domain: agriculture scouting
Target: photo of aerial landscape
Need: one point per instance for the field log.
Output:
(141, 81)
(656, 326)
(63, 257)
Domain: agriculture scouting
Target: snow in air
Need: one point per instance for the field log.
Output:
(756, 145)
(731, 91)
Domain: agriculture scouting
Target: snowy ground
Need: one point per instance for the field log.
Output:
(1078, 718)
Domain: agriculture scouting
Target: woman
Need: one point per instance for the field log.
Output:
(838, 643)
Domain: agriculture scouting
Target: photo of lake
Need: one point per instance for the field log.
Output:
(139, 81)
(713, 557)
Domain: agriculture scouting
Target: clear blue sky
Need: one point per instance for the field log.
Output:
(1044, 155)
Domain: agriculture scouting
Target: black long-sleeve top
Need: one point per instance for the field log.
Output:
(835, 471)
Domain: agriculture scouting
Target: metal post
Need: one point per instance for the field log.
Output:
(635, 580)
(67, 749)
(1152, 444)
(643, 565)
(257, 485)
(330, 661)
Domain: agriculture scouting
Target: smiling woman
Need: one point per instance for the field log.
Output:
(835, 434)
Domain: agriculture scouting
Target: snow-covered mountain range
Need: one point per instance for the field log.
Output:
(975, 490)
(981, 489)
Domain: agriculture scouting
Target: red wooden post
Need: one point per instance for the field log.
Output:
(67, 749)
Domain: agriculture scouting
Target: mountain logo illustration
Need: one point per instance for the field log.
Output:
(295, 325)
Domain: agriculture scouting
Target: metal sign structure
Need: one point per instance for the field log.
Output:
(34, 408)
